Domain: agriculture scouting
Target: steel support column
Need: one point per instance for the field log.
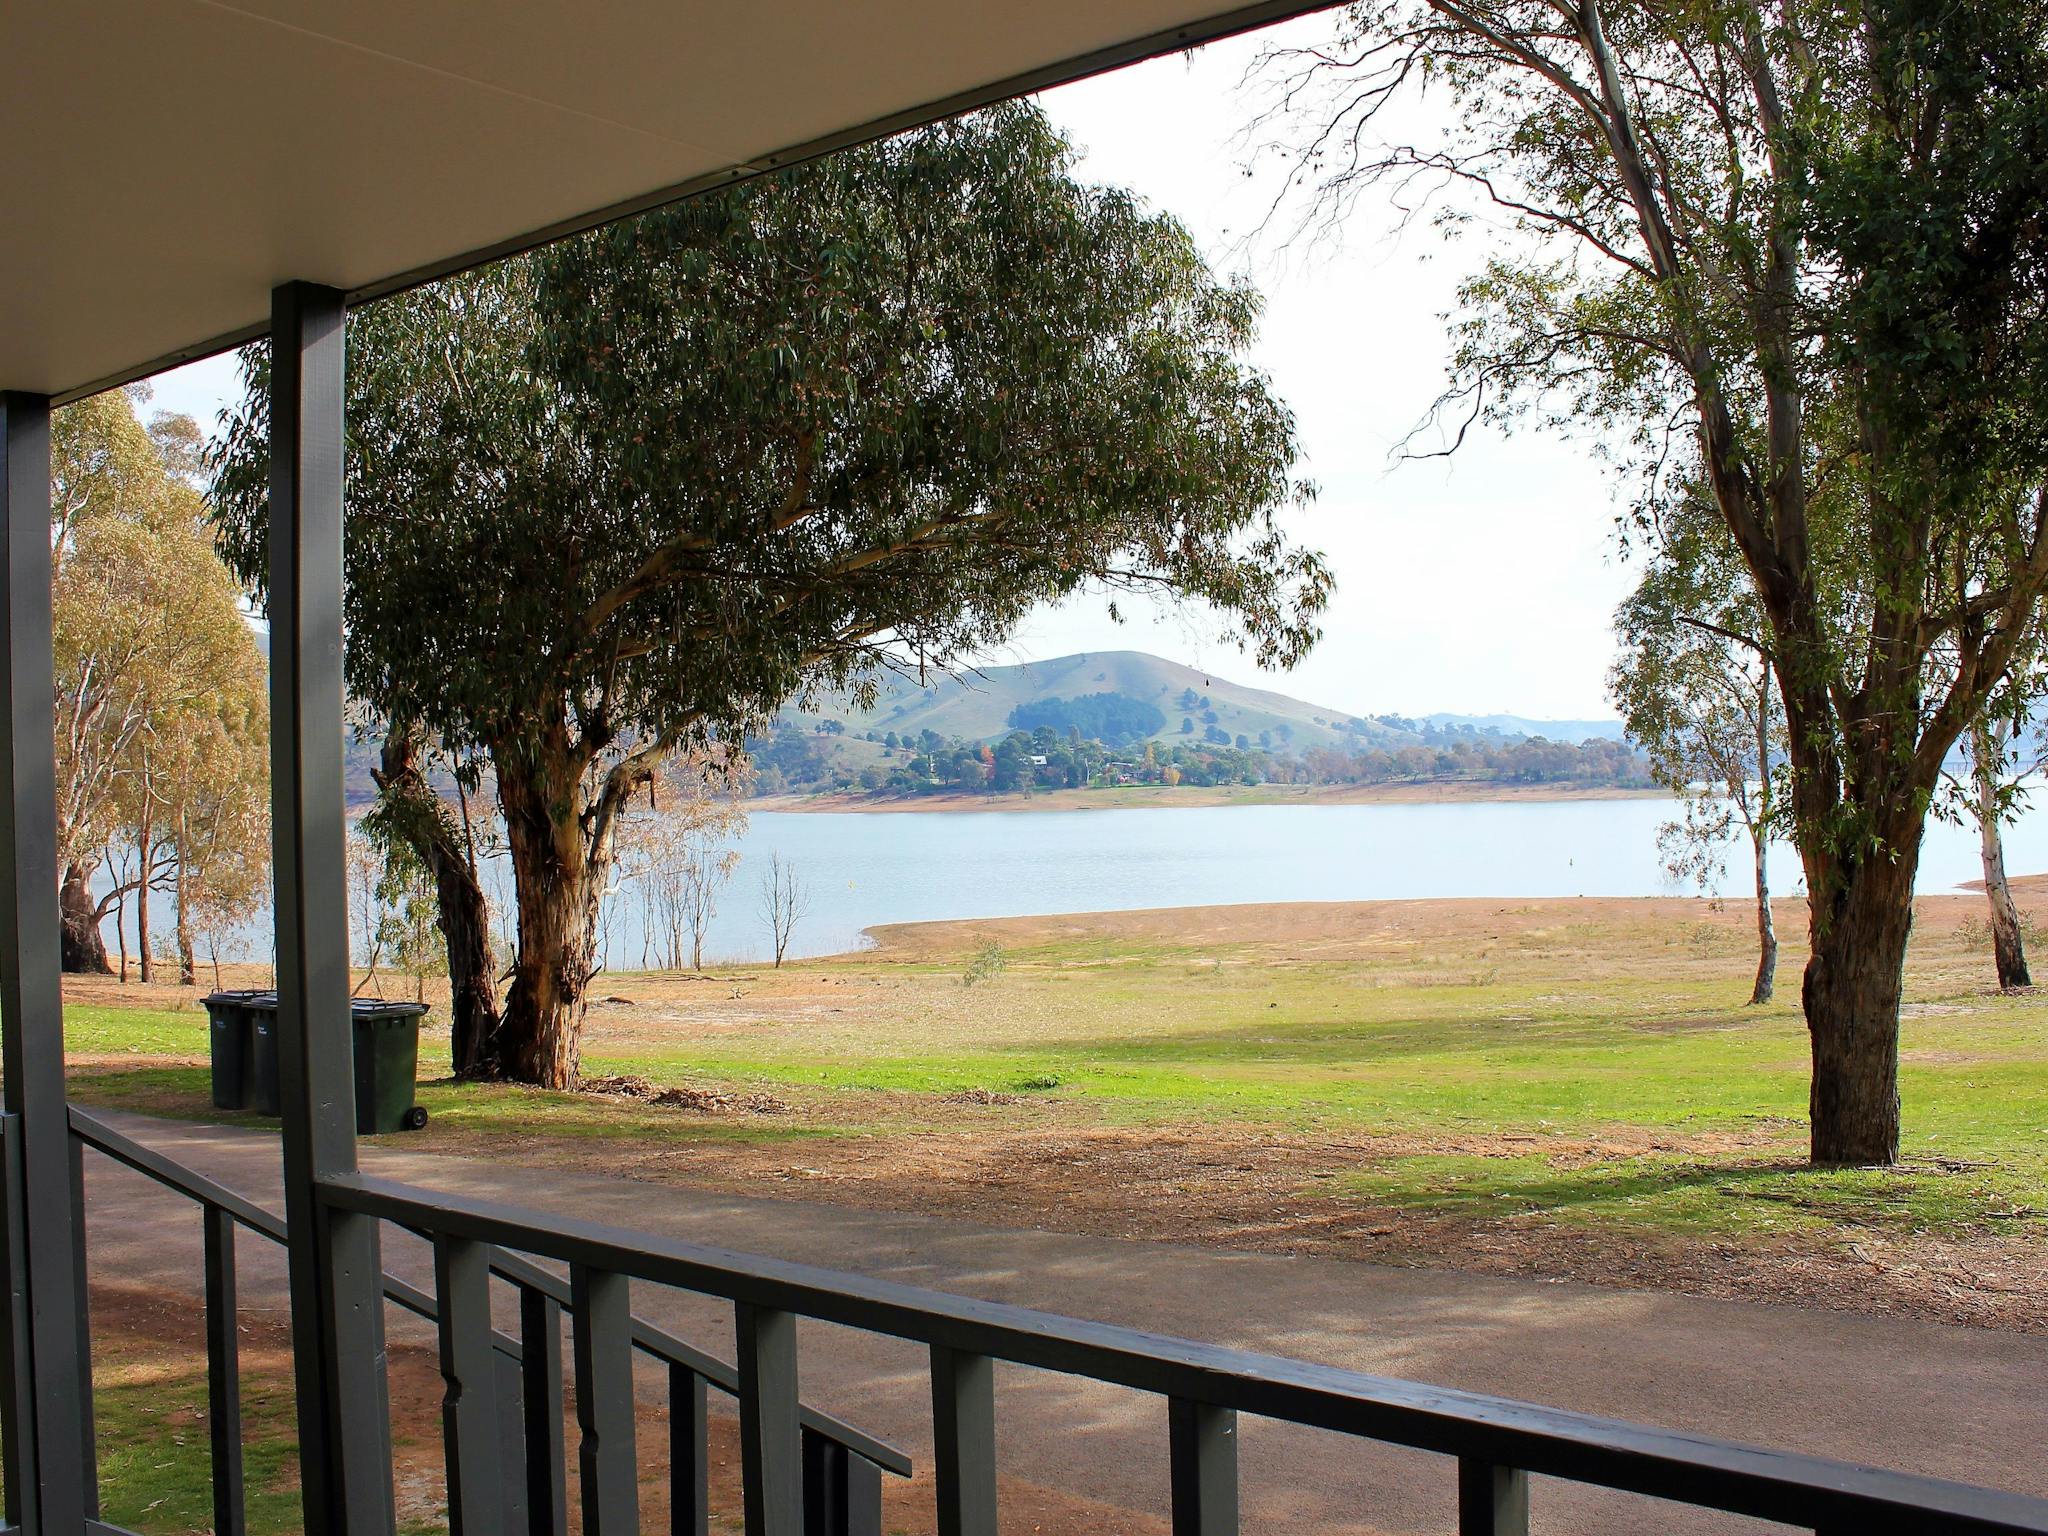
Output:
(49, 1466)
(336, 1274)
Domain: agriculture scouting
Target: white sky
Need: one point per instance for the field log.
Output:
(1478, 584)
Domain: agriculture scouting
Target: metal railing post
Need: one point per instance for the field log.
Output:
(49, 1458)
(336, 1272)
(964, 1441)
(842, 1490)
(605, 1455)
(771, 1450)
(470, 1426)
(1492, 1500)
(689, 1454)
(223, 1373)
(1202, 1446)
(540, 1381)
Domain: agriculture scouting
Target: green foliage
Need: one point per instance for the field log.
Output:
(1792, 255)
(899, 412)
(630, 493)
(1111, 718)
(406, 910)
(986, 965)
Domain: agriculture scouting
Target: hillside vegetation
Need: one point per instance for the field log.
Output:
(978, 706)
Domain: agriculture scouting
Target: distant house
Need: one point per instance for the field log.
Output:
(1038, 759)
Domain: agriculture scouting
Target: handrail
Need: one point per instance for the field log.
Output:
(1742, 1479)
(647, 1337)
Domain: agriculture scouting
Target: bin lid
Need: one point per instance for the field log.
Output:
(368, 1008)
(253, 997)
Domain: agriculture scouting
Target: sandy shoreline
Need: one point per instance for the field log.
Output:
(1188, 797)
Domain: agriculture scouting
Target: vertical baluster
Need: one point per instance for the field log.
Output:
(842, 1490)
(469, 1406)
(540, 1376)
(1492, 1500)
(605, 1457)
(689, 1454)
(17, 1381)
(223, 1373)
(771, 1452)
(87, 1440)
(1202, 1442)
(964, 1441)
(509, 1398)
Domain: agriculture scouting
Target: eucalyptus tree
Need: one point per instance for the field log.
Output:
(630, 493)
(1793, 250)
(149, 646)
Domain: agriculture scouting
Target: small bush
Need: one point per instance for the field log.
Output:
(986, 965)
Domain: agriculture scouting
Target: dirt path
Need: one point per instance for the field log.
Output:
(1914, 1395)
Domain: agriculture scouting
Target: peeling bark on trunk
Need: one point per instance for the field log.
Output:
(1851, 993)
(83, 946)
(558, 885)
(419, 816)
(2008, 948)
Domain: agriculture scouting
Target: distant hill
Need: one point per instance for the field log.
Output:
(977, 706)
(1522, 725)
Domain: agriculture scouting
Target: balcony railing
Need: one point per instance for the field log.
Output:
(512, 1395)
(806, 1472)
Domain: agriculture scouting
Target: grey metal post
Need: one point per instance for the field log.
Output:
(336, 1274)
(1202, 1441)
(1492, 1500)
(52, 1419)
(964, 1441)
(771, 1439)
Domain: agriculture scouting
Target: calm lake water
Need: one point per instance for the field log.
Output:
(863, 870)
(904, 867)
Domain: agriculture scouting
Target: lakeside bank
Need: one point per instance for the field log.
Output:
(1146, 797)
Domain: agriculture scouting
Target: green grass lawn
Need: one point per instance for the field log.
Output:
(1489, 1063)
(1599, 1076)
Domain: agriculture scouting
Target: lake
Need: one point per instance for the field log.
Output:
(863, 870)
(909, 866)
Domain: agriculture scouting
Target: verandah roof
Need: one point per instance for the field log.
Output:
(167, 163)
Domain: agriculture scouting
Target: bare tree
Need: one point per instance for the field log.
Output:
(1987, 758)
(785, 902)
(678, 847)
(701, 874)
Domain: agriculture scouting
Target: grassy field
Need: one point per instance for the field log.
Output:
(1568, 1087)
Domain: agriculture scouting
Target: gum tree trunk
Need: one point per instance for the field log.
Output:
(558, 886)
(83, 946)
(143, 834)
(420, 816)
(1760, 845)
(2008, 947)
(187, 970)
(1766, 924)
(1851, 994)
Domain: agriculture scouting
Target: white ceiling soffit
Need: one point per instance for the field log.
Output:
(168, 162)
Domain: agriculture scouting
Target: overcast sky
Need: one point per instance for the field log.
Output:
(1477, 584)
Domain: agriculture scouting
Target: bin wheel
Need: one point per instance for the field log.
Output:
(415, 1118)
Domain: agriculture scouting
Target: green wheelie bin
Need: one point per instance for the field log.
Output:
(230, 1028)
(387, 1040)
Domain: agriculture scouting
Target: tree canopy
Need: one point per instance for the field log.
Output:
(633, 491)
(162, 726)
(1792, 253)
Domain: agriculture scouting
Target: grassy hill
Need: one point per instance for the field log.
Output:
(977, 706)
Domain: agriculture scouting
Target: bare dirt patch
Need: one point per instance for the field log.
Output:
(1268, 1193)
